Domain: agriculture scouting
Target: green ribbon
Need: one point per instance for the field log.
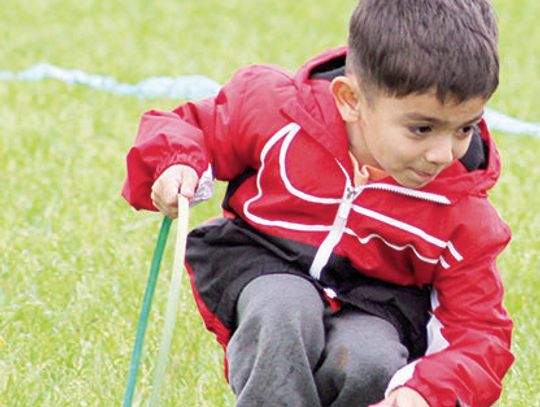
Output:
(145, 312)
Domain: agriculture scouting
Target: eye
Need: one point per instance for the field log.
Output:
(465, 131)
(420, 130)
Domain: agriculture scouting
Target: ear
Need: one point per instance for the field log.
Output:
(345, 92)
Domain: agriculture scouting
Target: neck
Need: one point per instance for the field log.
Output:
(358, 147)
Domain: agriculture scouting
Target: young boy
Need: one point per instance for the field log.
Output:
(355, 263)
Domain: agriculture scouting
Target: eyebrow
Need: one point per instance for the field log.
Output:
(433, 120)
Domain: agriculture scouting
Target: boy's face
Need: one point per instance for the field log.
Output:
(412, 138)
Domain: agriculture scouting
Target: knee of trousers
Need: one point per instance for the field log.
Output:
(279, 320)
(280, 328)
(279, 304)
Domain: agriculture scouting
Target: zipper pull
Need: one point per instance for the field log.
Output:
(351, 193)
(346, 204)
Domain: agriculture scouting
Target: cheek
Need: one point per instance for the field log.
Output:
(400, 158)
(399, 151)
(461, 149)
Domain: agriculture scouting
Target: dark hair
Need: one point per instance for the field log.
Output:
(402, 47)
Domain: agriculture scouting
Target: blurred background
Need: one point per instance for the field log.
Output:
(74, 257)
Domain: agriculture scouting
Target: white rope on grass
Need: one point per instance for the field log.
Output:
(193, 87)
(506, 124)
(183, 87)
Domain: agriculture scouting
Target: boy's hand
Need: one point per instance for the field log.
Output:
(403, 397)
(165, 189)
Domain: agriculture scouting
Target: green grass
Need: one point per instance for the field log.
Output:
(74, 258)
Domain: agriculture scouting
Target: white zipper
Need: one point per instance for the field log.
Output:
(336, 232)
(413, 193)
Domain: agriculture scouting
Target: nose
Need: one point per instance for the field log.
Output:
(441, 151)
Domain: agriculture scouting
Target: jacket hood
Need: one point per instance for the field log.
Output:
(315, 111)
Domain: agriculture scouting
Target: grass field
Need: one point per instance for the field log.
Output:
(74, 257)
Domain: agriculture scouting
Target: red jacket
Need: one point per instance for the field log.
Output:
(446, 235)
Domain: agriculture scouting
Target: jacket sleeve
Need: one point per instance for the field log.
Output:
(207, 132)
(469, 334)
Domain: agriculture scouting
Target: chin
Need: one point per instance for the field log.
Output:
(414, 184)
(411, 179)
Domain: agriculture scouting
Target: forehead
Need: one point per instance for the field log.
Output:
(427, 107)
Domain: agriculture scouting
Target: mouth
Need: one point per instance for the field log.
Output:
(424, 176)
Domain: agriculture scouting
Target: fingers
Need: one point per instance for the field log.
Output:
(189, 183)
(403, 397)
(165, 189)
